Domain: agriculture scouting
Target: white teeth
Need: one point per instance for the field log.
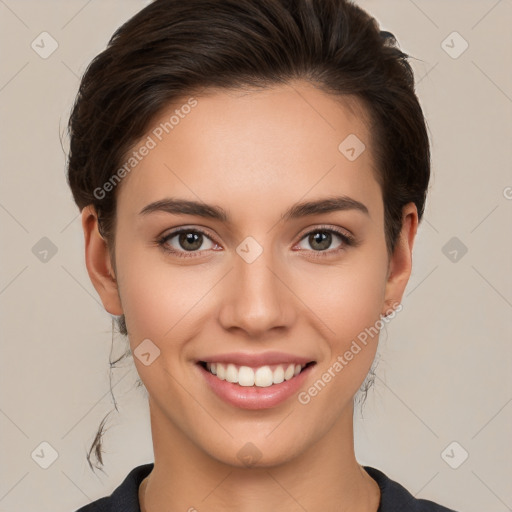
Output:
(221, 371)
(289, 373)
(260, 377)
(278, 375)
(231, 373)
(264, 377)
(245, 376)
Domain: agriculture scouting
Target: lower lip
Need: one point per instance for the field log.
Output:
(253, 397)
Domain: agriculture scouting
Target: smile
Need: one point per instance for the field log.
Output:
(262, 376)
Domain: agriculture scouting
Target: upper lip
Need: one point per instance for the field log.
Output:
(254, 360)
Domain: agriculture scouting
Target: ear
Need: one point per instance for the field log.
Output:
(97, 260)
(400, 263)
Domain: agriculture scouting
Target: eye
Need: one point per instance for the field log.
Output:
(320, 239)
(189, 242)
(185, 242)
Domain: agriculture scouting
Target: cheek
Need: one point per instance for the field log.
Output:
(350, 306)
(159, 300)
(346, 298)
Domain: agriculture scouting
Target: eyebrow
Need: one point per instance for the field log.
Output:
(299, 210)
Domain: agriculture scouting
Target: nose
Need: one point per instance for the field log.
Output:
(257, 297)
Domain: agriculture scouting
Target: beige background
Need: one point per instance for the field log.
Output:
(444, 373)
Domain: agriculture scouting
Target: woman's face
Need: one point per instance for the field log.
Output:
(258, 280)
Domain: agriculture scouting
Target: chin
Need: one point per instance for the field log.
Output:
(255, 452)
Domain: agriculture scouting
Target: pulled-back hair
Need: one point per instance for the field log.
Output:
(172, 49)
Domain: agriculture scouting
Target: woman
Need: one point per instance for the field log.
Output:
(251, 175)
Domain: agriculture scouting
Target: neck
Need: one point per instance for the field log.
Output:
(326, 476)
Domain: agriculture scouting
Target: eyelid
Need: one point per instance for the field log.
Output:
(348, 240)
(164, 239)
(187, 229)
(326, 227)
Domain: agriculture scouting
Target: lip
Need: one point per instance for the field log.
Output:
(253, 397)
(256, 360)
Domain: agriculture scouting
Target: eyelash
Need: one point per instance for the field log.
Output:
(348, 241)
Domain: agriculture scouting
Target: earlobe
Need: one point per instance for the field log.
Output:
(97, 260)
(400, 264)
(391, 305)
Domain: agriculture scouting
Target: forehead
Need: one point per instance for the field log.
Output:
(263, 147)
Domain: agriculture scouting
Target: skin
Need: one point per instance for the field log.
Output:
(255, 154)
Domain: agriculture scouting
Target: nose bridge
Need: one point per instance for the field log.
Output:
(257, 298)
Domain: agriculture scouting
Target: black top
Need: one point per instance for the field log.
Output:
(394, 497)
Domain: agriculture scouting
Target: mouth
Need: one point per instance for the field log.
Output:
(258, 377)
